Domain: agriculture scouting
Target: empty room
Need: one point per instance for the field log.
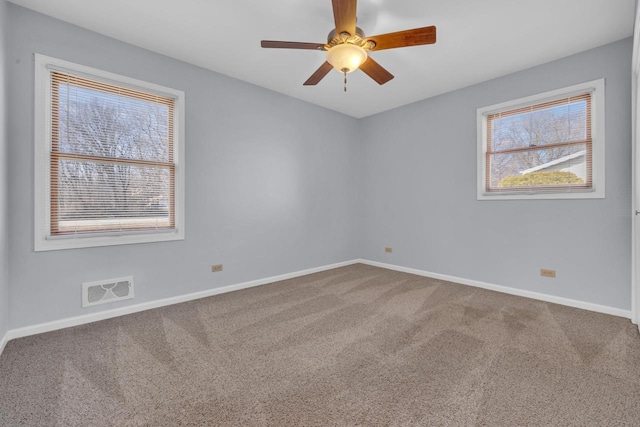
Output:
(319, 213)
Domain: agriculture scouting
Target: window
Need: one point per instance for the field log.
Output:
(545, 146)
(109, 153)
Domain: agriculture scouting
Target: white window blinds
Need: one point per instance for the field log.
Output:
(544, 146)
(111, 157)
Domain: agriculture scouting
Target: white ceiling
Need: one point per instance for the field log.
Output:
(477, 40)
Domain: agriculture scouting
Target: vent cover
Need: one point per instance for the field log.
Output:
(104, 291)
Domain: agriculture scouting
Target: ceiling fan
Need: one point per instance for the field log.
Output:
(347, 46)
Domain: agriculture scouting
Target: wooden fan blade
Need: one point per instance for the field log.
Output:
(344, 14)
(376, 71)
(319, 74)
(291, 45)
(415, 37)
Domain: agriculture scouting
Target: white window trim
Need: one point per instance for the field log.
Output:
(42, 140)
(597, 133)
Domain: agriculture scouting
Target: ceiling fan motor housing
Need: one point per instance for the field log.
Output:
(334, 34)
(358, 39)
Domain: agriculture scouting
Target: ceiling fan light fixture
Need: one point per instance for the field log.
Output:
(346, 57)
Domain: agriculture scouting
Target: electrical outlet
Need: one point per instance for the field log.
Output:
(387, 249)
(216, 268)
(547, 273)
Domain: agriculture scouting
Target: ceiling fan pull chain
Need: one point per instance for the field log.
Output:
(344, 70)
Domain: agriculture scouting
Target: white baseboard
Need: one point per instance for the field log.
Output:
(507, 290)
(107, 314)
(3, 342)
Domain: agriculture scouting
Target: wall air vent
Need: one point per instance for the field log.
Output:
(104, 291)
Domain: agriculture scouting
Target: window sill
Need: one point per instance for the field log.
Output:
(540, 195)
(89, 241)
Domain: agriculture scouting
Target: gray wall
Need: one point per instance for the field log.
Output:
(272, 182)
(4, 267)
(420, 192)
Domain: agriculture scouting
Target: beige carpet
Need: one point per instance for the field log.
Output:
(357, 345)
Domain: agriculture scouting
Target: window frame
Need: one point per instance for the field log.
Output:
(43, 240)
(597, 190)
